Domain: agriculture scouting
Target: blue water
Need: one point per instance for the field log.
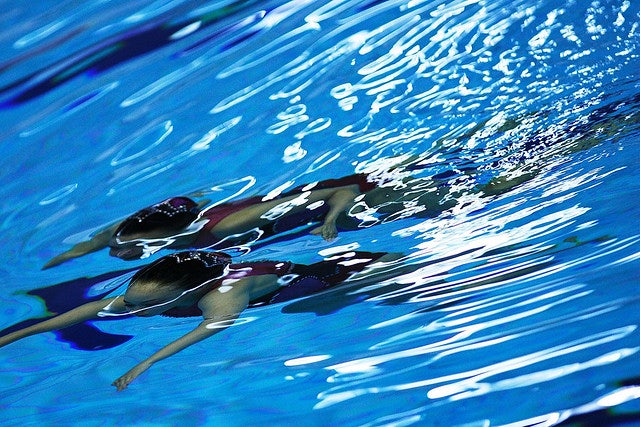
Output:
(521, 309)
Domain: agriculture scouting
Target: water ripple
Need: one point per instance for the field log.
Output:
(485, 320)
(59, 194)
(475, 383)
(70, 109)
(465, 384)
(129, 174)
(524, 292)
(161, 132)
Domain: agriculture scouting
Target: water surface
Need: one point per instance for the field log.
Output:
(521, 309)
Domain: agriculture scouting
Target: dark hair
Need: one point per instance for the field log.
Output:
(170, 215)
(183, 270)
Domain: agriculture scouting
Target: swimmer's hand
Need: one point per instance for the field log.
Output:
(97, 242)
(63, 257)
(328, 231)
(229, 305)
(338, 202)
(122, 382)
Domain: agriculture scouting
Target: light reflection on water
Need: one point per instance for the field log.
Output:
(525, 291)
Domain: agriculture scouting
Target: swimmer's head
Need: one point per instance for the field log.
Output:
(162, 220)
(162, 284)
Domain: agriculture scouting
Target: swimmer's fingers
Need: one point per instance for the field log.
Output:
(73, 253)
(122, 382)
(328, 232)
(317, 231)
(97, 242)
(53, 262)
(57, 260)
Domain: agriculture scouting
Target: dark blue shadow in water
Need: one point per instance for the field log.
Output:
(65, 296)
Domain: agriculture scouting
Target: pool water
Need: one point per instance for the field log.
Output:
(517, 309)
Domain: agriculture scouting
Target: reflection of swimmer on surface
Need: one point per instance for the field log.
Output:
(207, 284)
(115, 50)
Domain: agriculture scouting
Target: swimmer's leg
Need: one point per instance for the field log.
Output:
(421, 198)
(503, 184)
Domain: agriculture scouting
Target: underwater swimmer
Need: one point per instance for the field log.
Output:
(179, 222)
(326, 206)
(208, 284)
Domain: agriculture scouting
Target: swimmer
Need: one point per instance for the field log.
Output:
(321, 209)
(208, 284)
(179, 222)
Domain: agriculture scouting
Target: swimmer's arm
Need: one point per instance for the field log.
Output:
(97, 242)
(220, 310)
(77, 315)
(338, 202)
